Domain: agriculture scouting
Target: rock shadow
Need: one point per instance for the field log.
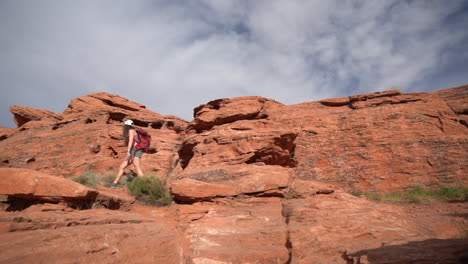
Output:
(415, 252)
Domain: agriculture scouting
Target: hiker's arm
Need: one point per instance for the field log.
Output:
(131, 135)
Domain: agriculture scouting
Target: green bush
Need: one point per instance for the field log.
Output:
(449, 194)
(151, 190)
(89, 179)
(420, 195)
(93, 179)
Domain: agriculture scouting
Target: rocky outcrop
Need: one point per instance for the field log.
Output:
(29, 184)
(88, 236)
(88, 137)
(24, 114)
(229, 110)
(25, 188)
(383, 141)
(456, 100)
(254, 181)
(327, 226)
(386, 142)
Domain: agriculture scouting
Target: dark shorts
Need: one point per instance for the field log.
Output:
(136, 153)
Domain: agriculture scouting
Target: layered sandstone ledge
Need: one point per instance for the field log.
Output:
(385, 141)
(254, 181)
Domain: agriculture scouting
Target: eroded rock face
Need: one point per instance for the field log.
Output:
(24, 114)
(456, 100)
(341, 228)
(25, 188)
(247, 231)
(231, 181)
(24, 183)
(254, 181)
(88, 236)
(229, 110)
(386, 142)
(88, 137)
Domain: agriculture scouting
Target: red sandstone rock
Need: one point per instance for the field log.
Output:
(342, 101)
(89, 138)
(387, 143)
(324, 227)
(237, 153)
(101, 100)
(189, 189)
(367, 96)
(89, 236)
(229, 110)
(23, 114)
(231, 181)
(456, 99)
(34, 185)
(248, 231)
(5, 132)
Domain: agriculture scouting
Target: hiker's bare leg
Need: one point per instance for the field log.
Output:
(137, 164)
(122, 167)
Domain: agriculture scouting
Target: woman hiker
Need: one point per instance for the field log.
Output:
(133, 155)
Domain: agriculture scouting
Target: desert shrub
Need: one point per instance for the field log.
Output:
(89, 179)
(452, 194)
(151, 190)
(292, 194)
(420, 195)
(93, 179)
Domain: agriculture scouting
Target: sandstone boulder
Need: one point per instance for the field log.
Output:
(102, 100)
(38, 191)
(231, 181)
(229, 110)
(24, 114)
(29, 184)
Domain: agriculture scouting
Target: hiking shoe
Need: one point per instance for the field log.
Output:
(113, 185)
(131, 176)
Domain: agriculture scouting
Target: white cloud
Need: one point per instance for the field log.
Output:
(174, 55)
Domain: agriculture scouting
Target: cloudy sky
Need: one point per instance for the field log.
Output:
(175, 55)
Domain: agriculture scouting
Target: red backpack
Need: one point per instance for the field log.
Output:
(144, 141)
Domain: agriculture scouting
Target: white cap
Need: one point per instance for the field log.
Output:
(129, 123)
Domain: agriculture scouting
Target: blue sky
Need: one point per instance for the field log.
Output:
(175, 55)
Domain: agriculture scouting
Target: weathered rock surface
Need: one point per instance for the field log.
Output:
(88, 236)
(231, 181)
(254, 181)
(229, 110)
(387, 142)
(24, 114)
(243, 231)
(456, 100)
(88, 137)
(29, 184)
(325, 228)
(25, 188)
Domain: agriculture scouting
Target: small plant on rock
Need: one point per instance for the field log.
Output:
(89, 179)
(420, 195)
(93, 179)
(151, 190)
